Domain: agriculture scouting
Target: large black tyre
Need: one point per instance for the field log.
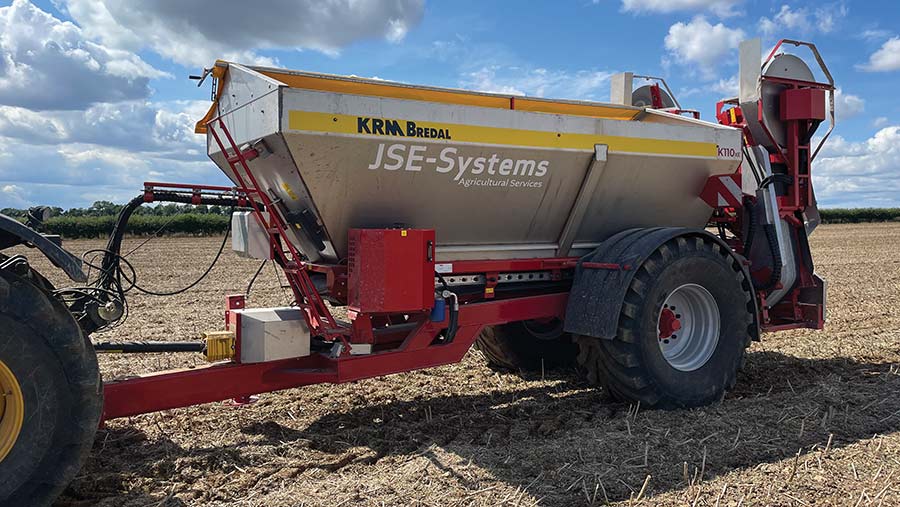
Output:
(527, 346)
(55, 369)
(633, 366)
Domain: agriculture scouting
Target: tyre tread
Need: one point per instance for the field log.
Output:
(615, 363)
(28, 306)
(510, 347)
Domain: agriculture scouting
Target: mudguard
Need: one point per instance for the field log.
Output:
(595, 300)
(13, 232)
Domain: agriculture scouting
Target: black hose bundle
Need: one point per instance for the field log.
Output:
(102, 303)
(451, 299)
(452, 326)
(776, 178)
(771, 233)
(772, 236)
(750, 209)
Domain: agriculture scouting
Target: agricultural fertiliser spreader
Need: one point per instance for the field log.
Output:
(631, 238)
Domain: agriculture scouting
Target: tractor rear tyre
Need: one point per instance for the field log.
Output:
(51, 394)
(527, 346)
(685, 321)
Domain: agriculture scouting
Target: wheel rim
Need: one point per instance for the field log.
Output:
(688, 326)
(12, 410)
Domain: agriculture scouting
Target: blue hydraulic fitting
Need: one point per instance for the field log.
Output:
(439, 312)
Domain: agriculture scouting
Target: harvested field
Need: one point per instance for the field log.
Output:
(814, 420)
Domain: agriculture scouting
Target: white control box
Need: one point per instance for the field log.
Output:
(248, 238)
(269, 334)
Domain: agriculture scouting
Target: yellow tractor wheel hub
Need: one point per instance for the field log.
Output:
(12, 410)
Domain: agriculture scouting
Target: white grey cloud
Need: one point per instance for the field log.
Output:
(539, 82)
(114, 147)
(722, 8)
(886, 59)
(875, 34)
(163, 128)
(703, 44)
(13, 196)
(77, 174)
(847, 105)
(195, 33)
(46, 63)
(68, 195)
(727, 88)
(826, 18)
(785, 18)
(801, 20)
(860, 173)
(76, 118)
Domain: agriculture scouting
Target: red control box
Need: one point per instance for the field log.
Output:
(390, 270)
(803, 104)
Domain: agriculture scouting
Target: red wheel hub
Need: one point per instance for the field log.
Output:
(668, 323)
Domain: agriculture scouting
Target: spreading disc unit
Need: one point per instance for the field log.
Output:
(642, 97)
(785, 66)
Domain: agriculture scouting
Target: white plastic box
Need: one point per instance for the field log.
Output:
(248, 238)
(269, 334)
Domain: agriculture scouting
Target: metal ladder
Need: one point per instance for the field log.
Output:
(317, 314)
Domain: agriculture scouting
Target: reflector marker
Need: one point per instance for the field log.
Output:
(722, 191)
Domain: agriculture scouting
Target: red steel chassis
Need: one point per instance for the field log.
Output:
(399, 347)
(403, 343)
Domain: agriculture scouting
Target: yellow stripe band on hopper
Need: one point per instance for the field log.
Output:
(348, 124)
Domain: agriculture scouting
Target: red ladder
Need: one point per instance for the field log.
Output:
(318, 317)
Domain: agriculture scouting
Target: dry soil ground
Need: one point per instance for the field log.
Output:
(814, 420)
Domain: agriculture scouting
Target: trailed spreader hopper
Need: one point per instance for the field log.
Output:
(646, 247)
(496, 176)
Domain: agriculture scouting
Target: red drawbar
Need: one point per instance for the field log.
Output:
(221, 381)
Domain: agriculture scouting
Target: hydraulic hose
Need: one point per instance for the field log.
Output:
(776, 178)
(102, 304)
(453, 324)
(145, 347)
(750, 209)
(772, 233)
(772, 236)
(114, 245)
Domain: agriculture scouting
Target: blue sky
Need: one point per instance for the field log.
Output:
(94, 96)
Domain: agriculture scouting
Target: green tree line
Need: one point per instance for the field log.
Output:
(98, 220)
(106, 208)
(857, 215)
(101, 226)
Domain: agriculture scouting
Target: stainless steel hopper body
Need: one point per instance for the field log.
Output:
(495, 183)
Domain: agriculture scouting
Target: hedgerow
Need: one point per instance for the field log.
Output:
(209, 224)
(857, 215)
(101, 226)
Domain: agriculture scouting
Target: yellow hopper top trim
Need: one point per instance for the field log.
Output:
(357, 86)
